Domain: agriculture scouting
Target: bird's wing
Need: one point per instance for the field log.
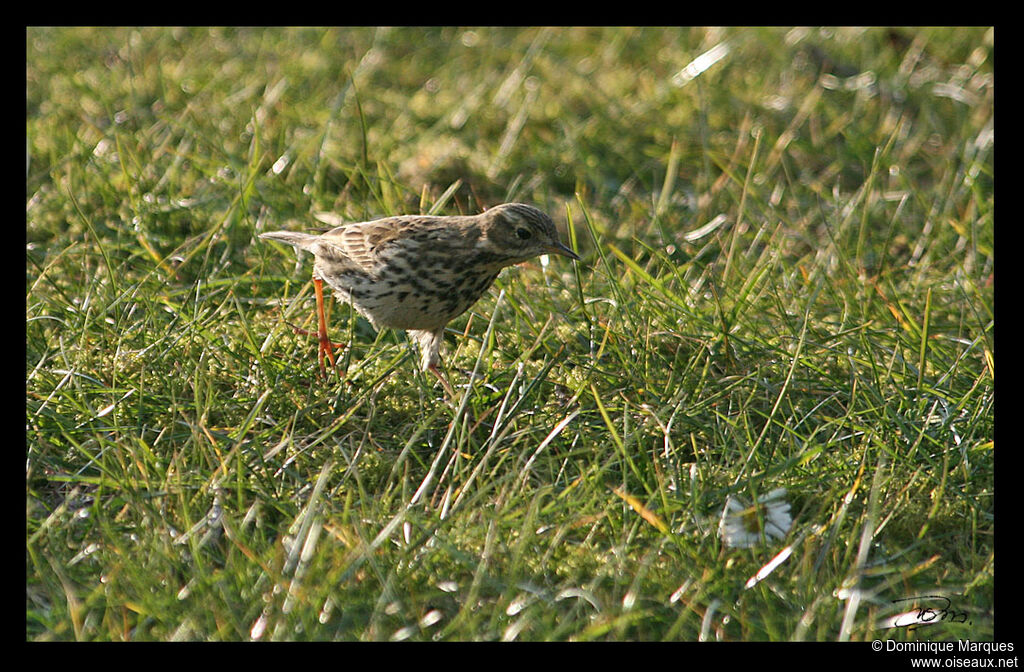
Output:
(362, 244)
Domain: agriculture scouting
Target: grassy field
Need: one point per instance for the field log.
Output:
(787, 241)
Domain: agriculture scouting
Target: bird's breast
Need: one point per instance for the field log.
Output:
(406, 296)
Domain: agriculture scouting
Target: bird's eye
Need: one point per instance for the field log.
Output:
(522, 233)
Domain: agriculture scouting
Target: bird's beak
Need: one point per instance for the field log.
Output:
(564, 250)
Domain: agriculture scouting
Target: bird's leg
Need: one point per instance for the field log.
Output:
(326, 347)
(429, 343)
(444, 381)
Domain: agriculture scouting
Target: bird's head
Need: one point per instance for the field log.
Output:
(521, 232)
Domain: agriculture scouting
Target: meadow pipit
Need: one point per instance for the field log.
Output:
(419, 272)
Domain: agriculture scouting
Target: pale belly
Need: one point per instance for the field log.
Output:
(405, 306)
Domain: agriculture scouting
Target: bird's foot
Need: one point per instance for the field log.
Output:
(325, 347)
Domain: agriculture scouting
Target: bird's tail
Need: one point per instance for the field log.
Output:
(294, 238)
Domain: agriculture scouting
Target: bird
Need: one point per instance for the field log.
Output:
(417, 273)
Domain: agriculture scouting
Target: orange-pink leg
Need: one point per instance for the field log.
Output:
(326, 347)
(444, 381)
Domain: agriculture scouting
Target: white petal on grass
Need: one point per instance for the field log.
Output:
(186, 590)
(701, 63)
(697, 234)
(770, 567)
(281, 164)
(580, 593)
(430, 618)
(518, 605)
(513, 630)
(111, 407)
(84, 553)
(674, 597)
(259, 627)
(403, 634)
(325, 612)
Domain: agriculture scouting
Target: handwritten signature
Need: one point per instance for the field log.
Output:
(922, 615)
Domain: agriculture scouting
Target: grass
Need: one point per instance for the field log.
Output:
(787, 282)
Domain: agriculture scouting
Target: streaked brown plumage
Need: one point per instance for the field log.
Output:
(419, 272)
